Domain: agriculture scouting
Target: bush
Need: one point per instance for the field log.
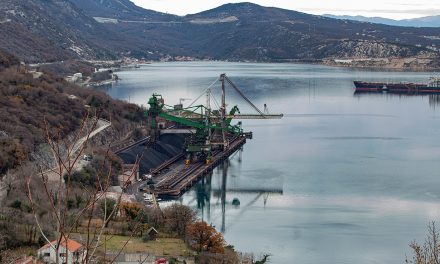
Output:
(131, 211)
(204, 237)
(70, 204)
(16, 204)
(177, 218)
(12, 154)
(106, 163)
(137, 134)
(101, 76)
(86, 176)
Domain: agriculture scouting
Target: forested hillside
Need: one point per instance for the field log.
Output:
(28, 102)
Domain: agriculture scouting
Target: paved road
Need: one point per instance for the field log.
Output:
(101, 125)
(134, 189)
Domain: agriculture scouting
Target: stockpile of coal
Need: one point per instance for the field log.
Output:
(168, 146)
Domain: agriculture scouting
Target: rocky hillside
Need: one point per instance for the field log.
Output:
(123, 10)
(39, 30)
(28, 101)
(246, 31)
(54, 30)
(281, 34)
(7, 60)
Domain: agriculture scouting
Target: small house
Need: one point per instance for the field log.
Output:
(69, 252)
(152, 233)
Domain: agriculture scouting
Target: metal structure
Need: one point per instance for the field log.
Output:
(210, 129)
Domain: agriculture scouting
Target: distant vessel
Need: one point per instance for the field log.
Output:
(432, 87)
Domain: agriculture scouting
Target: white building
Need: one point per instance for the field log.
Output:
(71, 252)
(77, 77)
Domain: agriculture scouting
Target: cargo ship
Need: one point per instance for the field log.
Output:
(432, 87)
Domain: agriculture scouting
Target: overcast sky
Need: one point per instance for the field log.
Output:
(396, 9)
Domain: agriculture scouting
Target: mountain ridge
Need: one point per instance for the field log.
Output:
(121, 9)
(428, 21)
(240, 31)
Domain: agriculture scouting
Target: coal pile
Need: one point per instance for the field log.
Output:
(168, 146)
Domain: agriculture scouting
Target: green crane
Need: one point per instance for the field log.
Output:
(202, 119)
(212, 127)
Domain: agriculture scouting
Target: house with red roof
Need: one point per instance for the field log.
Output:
(69, 252)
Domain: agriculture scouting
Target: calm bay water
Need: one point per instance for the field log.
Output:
(359, 174)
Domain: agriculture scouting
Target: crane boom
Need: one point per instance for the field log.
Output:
(255, 116)
(242, 94)
(210, 129)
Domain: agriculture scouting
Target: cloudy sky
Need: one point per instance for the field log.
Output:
(396, 9)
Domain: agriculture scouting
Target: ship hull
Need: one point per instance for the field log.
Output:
(369, 87)
(401, 88)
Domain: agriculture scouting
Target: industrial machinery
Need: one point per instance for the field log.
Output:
(210, 129)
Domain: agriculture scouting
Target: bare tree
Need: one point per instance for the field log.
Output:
(9, 180)
(429, 251)
(59, 194)
(177, 217)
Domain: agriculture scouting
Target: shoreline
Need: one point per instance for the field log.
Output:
(411, 64)
(367, 64)
(100, 83)
(321, 62)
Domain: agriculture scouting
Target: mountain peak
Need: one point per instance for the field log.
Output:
(240, 5)
(231, 9)
(247, 11)
(120, 9)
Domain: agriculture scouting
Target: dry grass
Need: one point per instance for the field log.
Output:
(9, 255)
(159, 247)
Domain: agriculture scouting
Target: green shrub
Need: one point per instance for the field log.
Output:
(16, 204)
(70, 204)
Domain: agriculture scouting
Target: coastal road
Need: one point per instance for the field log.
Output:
(52, 174)
(101, 125)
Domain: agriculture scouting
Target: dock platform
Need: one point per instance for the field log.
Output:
(176, 177)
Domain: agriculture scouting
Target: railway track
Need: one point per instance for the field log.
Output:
(185, 176)
(166, 164)
(132, 145)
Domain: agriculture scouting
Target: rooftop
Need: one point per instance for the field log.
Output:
(71, 244)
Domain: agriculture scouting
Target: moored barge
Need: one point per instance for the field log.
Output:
(432, 87)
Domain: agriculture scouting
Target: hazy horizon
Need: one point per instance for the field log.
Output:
(393, 9)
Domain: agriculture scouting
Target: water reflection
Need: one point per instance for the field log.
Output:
(219, 192)
(359, 174)
(203, 191)
(433, 99)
